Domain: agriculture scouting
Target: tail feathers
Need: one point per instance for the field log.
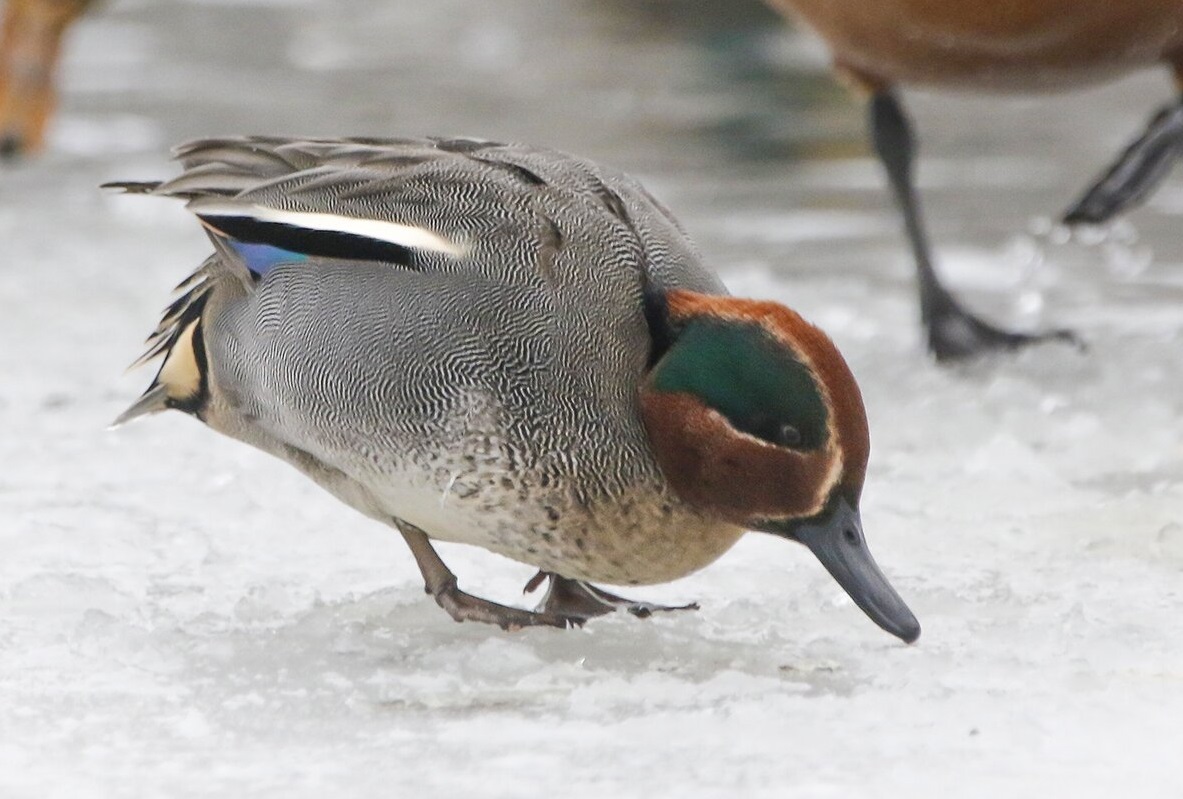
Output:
(133, 186)
(153, 400)
(181, 381)
(156, 345)
(212, 179)
(184, 309)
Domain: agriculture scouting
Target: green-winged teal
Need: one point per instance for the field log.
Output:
(512, 348)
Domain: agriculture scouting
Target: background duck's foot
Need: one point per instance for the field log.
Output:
(955, 334)
(1136, 173)
(577, 599)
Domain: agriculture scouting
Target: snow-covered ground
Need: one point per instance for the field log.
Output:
(181, 616)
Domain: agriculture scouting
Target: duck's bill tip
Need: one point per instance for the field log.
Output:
(839, 544)
(909, 633)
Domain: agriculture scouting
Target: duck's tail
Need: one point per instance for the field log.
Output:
(182, 381)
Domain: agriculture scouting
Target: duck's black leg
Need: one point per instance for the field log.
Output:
(953, 332)
(440, 582)
(575, 598)
(1137, 171)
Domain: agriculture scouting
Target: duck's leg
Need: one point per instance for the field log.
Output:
(575, 598)
(953, 332)
(1137, 171)
(29, 47)
(440, 582)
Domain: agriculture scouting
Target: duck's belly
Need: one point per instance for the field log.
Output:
(1010, 45)
(631, 533)
(644, 535)
(472, 491)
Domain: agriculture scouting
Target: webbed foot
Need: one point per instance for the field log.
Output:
(440, 582)
(955, 334)
(466, 607)
(576, 599)
(1135, 173)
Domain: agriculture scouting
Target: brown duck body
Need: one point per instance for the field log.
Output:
(1011, 45)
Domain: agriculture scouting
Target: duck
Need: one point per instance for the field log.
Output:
(30, 45)
(1032, 46)
(511, 348)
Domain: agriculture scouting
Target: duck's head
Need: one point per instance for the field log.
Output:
(756, 419)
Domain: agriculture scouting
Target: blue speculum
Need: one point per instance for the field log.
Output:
(262, 258)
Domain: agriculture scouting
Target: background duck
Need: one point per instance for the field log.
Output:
(508, 347)
(1012, 47)
(30, 42)
(1039, 46)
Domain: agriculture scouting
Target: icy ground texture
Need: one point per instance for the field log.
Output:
(181, 616)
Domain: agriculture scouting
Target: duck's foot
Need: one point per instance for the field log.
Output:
(466, 607)
(1136, 173)
(955, 334)
(576, 599)
(440, 582)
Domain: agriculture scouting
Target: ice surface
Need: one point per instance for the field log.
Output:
(183, 617)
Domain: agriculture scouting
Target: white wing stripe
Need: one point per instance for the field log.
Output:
(415, 238)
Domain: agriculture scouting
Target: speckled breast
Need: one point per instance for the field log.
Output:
(633, 535)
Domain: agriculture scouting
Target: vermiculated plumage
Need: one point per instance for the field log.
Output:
(422, 387)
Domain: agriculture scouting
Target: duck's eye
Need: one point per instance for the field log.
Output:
(782, 434)
(788, 436)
